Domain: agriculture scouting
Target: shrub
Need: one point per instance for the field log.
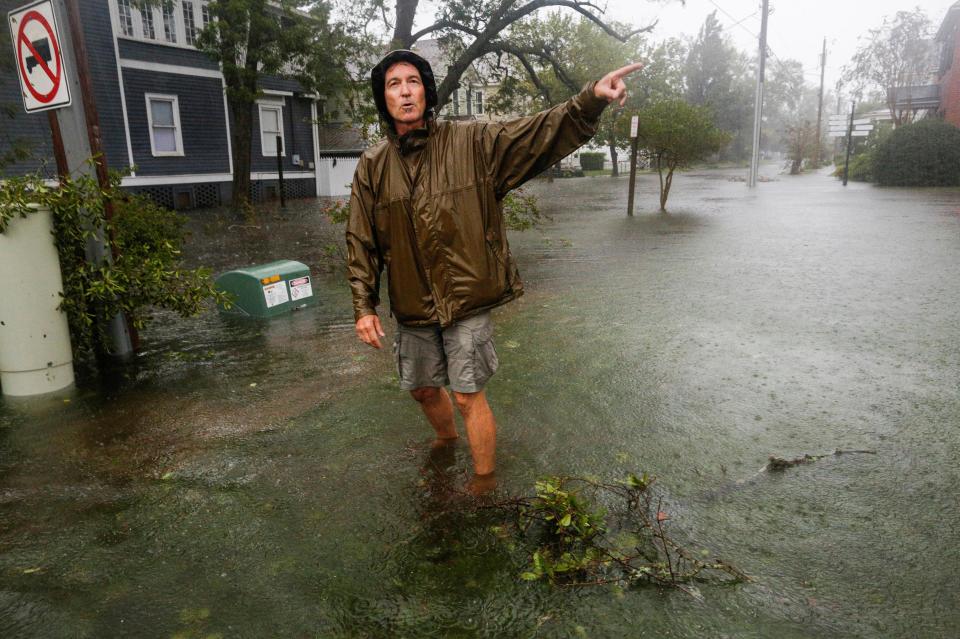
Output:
(591, 161)
(925, 153)
(146, 273)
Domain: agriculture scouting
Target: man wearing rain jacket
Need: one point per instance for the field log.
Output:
(426, 208)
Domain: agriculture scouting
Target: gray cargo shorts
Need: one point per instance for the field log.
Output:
(461, 356)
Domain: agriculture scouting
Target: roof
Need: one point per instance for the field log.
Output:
(337, 139)
(949, 25)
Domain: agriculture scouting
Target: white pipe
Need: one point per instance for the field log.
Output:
(35, 354)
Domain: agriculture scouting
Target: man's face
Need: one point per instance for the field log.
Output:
(405, 96)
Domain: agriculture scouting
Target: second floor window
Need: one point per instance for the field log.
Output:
(478, 102)
(169, 24)
(189, 22)
(149, 31)
(204, 15)
(126, 17)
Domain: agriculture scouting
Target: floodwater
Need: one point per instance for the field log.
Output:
(267, 479)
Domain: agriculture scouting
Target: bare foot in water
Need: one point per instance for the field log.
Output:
(482, 484)
(444, 442)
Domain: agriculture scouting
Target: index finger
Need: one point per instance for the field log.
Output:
(627, 70)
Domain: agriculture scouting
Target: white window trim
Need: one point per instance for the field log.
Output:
(160, 40)
(176, 123)
(278, 106)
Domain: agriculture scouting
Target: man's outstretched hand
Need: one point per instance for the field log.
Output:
(369, 330)
(611, 86)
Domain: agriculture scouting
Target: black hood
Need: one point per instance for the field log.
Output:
(378, 81)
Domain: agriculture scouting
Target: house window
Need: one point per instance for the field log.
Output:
(478, 102)
(169, 24)
(126, 17)
(271, 126)
(163, 120)
(146, 15)
(189, 23)
(204, 15)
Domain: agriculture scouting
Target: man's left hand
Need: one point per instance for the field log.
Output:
(611, 87)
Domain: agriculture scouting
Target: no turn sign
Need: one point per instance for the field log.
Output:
(36, 45)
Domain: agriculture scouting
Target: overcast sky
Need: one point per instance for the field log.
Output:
(796, 27)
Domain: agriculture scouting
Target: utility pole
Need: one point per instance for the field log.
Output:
(78, 149)
(823, 76)
(758, 105)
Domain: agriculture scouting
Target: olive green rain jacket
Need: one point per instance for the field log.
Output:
(438, 229)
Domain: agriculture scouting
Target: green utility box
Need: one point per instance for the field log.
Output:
(267, 290)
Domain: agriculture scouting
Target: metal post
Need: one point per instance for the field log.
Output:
(633, 174)
(823, 77)
(283, 201)
(758, 103)
(846, 166)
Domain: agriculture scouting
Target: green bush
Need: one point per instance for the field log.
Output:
(925, 153)
(146, 273)
(591, 161)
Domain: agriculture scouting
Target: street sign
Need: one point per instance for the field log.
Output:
(36, 47)
(634, 125)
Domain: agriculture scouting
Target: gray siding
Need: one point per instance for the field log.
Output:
(204, 131)
(164, 54)
(102, 63)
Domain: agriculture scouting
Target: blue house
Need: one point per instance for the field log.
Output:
(163, 113)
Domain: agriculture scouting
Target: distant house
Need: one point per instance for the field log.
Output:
(163, 113)
(942, 96)
(469, 100)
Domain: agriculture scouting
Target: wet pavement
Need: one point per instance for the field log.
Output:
(267, 479)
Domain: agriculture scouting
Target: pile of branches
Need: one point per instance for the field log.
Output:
(577, 542)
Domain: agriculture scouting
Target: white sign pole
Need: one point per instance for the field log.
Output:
(634, 130)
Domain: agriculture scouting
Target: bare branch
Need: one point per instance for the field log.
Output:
(586, 9)
(445, 24)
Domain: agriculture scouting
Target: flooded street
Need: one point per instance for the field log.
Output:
(268, 479)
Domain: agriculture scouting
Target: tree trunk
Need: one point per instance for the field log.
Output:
(663, 199)
(241, 133)
(406, 12)
(615, 160)
(665, 192)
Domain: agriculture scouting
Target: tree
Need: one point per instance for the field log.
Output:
(472, 29)
(801, 140)
(580, 51)
(256, 38)
(896, 55)
(675, 134)
(718, 76)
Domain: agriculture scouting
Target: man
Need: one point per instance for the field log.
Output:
(425, 206)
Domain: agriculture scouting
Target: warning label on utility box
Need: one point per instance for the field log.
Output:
(300, 288)
(275, 294)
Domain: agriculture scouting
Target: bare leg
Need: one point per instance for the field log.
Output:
(436, 405)
(481, 430)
